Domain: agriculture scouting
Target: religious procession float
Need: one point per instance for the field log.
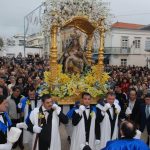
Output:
(73, 26)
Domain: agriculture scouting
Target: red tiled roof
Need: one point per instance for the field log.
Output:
(127, 25)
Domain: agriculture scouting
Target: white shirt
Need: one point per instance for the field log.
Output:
(87, 111)
(131, 104)
(45, 113)
(111, 112)
(32, 104)
(147, 111)
(1, 118)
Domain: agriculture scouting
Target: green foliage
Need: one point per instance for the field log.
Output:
(1, 43)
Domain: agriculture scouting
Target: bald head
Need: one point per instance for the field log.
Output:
(128, 129)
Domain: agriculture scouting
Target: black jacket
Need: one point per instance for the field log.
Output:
(144, 122)
(136, 114)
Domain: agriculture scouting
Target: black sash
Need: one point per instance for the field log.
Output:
(112, 121)
(45, 135)
(87, 125)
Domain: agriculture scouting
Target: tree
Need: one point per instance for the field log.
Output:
(1, 43)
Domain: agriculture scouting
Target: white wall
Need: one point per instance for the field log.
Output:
(20, 49)
(16, 49)
(137, 60)
(118, 33)
(137, 56)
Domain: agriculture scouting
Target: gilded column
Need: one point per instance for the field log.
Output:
(101, 49)
(53, 53)
(89, 51)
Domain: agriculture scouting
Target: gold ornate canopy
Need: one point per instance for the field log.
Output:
(85, 25)
(81, 23)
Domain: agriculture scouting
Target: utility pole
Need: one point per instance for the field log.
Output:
(25, 17)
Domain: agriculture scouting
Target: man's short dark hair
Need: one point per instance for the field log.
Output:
(133, 90)
(86, 94)
(128, 129)
(31, 89)
(147, 96)
(15, 88)
(111, 94)
(45, 97)
(2, 98)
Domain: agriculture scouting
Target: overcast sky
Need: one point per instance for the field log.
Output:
(12, 13)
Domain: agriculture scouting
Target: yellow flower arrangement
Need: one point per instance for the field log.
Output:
(41, 116)
(69, 85)
(28, 102)
(92, 114)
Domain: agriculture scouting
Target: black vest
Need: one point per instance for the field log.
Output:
(87, 125)
(45, 135)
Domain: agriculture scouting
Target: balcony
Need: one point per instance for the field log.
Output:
(117, 50)
(147, 49)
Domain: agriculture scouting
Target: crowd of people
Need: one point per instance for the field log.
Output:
(125, 108)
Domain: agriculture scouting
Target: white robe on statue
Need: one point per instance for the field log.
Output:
(105, 127)
(55, 134)
(78, 136)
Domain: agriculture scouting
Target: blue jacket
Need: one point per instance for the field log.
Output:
(124, 144)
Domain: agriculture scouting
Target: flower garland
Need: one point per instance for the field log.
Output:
(71, 85)
(59, 11)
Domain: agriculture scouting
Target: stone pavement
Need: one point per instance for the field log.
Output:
(64, 142)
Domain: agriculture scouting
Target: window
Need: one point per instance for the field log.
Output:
(124, 42)
(10, 42)
(10, 55)
(21, 42)
(147, 44)
(137, 42)
(123, 62)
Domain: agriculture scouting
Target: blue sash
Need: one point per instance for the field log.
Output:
(3, 126)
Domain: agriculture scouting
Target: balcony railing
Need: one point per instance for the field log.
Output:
(117, 50)
(147, 49)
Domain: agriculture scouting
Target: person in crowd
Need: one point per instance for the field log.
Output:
(15, 112)
(8, 135)
(3, 85)
(107, 120)
(145, 120)
(83, 121)
(12, 84)
(136, 77)
(127, 141)
(28, 85)
(69, 126)
(27, 104)
(125, 85)
(5, 124)
(122, 98)
(133, 109)
(1, 90)
(20, 83)
(44, 124)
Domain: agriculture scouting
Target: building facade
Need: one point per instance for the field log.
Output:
(15, 45)
(128, 44)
